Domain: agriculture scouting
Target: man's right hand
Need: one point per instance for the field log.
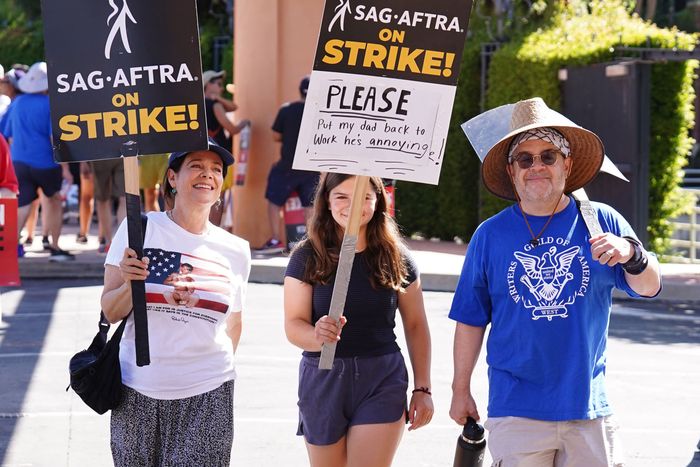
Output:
(463, 406)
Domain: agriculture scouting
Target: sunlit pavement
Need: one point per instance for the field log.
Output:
(653, 380)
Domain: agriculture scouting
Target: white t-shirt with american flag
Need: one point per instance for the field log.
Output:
(194, 283)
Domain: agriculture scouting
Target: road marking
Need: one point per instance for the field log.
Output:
(35, 354)
(239, 360)
(80, 413)
(665, 431)
(642, 313)
(56, 314)
(616, 310)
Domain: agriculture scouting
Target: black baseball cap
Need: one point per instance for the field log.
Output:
(304, 85)
(225, 155)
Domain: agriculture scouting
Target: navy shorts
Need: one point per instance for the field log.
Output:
(356, 391)
(282, 182)
(31, 179)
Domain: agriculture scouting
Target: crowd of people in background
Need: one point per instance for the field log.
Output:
(26, 125)
(28, 170)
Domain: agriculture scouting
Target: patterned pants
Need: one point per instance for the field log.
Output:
(196, 430)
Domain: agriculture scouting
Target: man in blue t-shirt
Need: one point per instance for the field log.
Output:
(544, 284)
(283, 180)
(29, 133)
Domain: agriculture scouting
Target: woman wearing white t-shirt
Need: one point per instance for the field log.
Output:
(179, 409)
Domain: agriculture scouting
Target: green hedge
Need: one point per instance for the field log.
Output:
(449, 209)
(575, 39)
(452, 209)
(21, 38)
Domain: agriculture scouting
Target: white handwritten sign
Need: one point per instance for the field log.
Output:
(374, 126)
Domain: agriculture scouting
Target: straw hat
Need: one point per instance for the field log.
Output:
(587, 150)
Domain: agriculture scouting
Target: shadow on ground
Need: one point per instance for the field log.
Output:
(22, 337)
(665, 324)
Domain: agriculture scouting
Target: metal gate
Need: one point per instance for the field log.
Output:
(613, 100)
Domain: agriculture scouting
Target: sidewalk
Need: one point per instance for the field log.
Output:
(439, 262)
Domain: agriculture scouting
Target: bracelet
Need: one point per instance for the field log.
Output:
(422, 389)
(639, 260)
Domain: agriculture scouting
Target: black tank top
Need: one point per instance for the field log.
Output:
(214, 128)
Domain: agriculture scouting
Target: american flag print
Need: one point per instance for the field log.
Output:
(185, 280)
(161, 264)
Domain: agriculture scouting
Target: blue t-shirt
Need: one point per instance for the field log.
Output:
(29, 126)
(549, 309)
(4, 119)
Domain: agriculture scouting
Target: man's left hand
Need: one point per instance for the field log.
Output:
(610, 249)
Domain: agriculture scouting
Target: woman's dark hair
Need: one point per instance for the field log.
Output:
(168, 195)
(384, 244)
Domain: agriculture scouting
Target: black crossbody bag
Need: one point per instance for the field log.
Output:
(95, 373)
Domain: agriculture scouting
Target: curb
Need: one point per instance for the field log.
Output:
(261, 272)
(672, 292)
(32, 269)
(677, 288)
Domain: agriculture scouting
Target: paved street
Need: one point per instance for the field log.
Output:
(654, 379)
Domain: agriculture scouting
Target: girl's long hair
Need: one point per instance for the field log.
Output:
(384, 244)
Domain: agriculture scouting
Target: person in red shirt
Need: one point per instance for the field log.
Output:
(8, 180)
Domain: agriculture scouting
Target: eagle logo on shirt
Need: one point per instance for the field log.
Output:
(545, 277)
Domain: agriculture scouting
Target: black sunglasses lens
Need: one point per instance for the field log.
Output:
(548, 157)
(525, 160)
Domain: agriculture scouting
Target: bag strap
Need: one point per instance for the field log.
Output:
(590, 218)
(103, 324)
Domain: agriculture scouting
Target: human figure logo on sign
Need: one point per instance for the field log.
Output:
(341, 10)
(119, 26)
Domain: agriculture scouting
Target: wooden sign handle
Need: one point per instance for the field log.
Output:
(133, 222)
(347, 256)
(590, 218)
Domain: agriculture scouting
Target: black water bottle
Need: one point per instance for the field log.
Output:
(471, 445)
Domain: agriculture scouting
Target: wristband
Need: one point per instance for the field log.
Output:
(639, 260)
(422, 389)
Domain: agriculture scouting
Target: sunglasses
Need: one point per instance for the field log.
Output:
(526, 160)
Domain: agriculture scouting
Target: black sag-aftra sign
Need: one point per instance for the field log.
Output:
(123, 71)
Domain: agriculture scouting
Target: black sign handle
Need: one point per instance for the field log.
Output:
(129, 151)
